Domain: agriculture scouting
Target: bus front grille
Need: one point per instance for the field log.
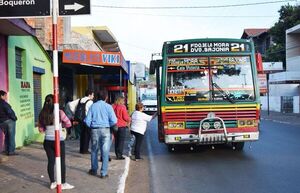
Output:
(193, 115)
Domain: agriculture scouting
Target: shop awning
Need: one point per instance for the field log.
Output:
(95, 59)
(102, 36)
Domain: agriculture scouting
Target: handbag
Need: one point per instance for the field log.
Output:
(64, 133)
(113, 128)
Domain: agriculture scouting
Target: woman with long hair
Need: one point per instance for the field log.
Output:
(123, 120)
(46, 125)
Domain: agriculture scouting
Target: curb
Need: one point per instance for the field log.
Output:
(153, 188)
(123, 177)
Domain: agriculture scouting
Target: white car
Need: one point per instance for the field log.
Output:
(150, 106)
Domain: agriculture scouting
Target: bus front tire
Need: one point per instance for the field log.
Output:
(238, 146)
(171, 148)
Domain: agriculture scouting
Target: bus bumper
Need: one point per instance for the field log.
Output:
(211, 138)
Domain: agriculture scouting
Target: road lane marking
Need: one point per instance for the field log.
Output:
(122, 180)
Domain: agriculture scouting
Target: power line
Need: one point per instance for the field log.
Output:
(200, 16)
(193, 7)
(213, 16)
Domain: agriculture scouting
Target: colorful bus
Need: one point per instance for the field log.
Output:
(207, 92)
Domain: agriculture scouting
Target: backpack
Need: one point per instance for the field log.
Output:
(80, 111)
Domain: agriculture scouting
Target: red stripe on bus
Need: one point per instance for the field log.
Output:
(197, 116)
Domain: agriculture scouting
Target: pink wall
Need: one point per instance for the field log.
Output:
(3, 63)
(3, 75)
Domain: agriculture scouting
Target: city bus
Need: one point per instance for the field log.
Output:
(207, 92)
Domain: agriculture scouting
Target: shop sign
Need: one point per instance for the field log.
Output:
(24, 8)
(94, 57)
(271, 67)
(262, 83)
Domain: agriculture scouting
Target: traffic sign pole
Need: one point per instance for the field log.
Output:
(56, 95)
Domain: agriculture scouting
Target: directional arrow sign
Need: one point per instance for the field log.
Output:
(24, 8)
(74, 7)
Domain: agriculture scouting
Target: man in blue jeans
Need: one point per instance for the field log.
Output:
(100, 118)
(9, 118)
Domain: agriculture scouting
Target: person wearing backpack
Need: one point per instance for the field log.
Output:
(80, 108)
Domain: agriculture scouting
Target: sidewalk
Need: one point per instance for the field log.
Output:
(27, 172)
(288, 118)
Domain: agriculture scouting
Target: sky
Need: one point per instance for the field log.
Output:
(142, 32)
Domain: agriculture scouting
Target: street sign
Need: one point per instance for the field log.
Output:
(24, 8)
(74, 7)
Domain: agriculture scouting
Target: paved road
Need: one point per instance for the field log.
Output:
(271, 165)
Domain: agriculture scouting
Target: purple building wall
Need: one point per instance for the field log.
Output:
(3, 75)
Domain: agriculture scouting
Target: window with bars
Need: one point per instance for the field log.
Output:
(19, 62)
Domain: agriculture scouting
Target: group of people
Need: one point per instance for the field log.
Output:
(102, 123)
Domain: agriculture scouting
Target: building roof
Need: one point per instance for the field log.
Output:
(293, 30)
(15, 27)
(253, 32)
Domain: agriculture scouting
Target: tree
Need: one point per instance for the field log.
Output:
(289, 17)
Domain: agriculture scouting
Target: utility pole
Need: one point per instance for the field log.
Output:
(56, 95)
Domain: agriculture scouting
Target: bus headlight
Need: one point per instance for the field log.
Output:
(176, 125)
(217, 125)
(205, 125)
(247, 123)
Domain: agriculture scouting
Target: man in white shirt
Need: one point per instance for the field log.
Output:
(84, 130)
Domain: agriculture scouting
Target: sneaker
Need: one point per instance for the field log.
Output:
(66, 186)
(53, 185)
(104, 176)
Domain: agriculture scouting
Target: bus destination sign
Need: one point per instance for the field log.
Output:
(207, 47)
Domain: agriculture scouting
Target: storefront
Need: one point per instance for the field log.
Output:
(98, 70)
(100, 66)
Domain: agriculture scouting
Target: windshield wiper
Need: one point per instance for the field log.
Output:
(224, 94)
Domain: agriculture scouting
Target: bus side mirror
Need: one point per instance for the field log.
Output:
(259, 63)
(152, 67)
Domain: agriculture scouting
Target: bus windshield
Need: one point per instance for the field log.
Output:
(193, 79)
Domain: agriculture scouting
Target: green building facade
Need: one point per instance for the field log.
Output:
(30, 79)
